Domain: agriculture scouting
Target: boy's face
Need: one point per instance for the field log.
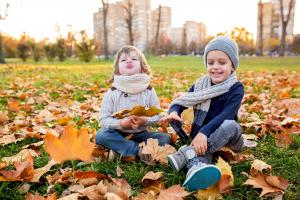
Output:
(129, 64)
(219, 66)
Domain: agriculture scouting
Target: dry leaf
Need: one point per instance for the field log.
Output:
(211, 193)
(119, 171)
(259, 181)
(175, 192)
(138, 111)
(89, 174)
(24, 171)
(259, 166)
(148, 196)
(22, 155)
(3, 117)
(278, 182)
(158, 153)
(31, 196)
(152, 182)
(72, 145)
(41, 171)
(283, 140)
(225, 170)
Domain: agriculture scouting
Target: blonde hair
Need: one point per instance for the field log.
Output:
(127, 49)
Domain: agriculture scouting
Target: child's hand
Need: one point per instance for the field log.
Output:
(200, 143)
(170, 117)
(127, 123)
(139, 121)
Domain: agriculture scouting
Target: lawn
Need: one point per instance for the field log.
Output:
(268, 82)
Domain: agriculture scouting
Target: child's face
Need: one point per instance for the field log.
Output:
(219, 66)
(129, 64)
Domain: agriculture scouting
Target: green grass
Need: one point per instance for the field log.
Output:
(174, 70)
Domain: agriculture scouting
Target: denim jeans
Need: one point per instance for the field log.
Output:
(116, 141)
(228, 134)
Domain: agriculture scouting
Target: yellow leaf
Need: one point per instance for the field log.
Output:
(211, 193)
(138, 111)
(72, 145)
(225, 169)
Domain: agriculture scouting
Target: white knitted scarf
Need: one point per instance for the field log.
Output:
(131, 84)
(204, 92)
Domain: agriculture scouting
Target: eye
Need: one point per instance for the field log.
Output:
(222, 63)
(134, 58)
(123, 60)
(210, 63)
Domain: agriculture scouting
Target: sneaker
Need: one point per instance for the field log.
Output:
(179, 159)
(249, 144)
(202, 176)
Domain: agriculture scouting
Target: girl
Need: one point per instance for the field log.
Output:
(216, 99)
(130, 87)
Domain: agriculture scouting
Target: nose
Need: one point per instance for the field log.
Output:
(128, 59)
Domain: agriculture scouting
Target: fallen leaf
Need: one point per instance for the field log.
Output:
(89, 174)
(225, 170)
(152, 182)
(278, 182)
(259, 166)
(31, 196)
(3, 117)
(143, 196)
(175, 192)
(158, 153)
(259, 181)
(283, 140)
(24, 171)
(22, 155)
(72, 145)
(119, 171)
(41, 171)
(211, 193)
(13, 105)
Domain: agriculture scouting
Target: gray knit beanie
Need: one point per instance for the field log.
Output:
(225, 44)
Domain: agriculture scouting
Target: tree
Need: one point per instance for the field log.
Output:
(50, 51)
(35, 49)
(2, 18)
(244, 40)
(85, 49)
(260, 21)
(129, 20)
(70, 42)
(183, 50)
(105, 31)
(9, 46)
(284, 23)
(24, 47)
(61, 49)
(296, 44)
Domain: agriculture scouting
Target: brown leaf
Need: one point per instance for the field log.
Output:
(24, 171)
(224, 184)
(3, 165)
(31, 196)
(72, 145)
(22, 155)
(152, 182)
(211, 193)
(3, 117)
(259, 181)
(278, 182)
(175, 192)
(259, 166)
(92, 192)
(283, 140)
(148, 196)
(158, 153)
(41, 171)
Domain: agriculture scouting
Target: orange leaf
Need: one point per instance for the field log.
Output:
(283, 140)
(89, 174)
(152, 182)
(224, 184)
(72, 145)
(3, 117)
(13, 105)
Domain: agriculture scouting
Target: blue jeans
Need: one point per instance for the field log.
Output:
(228, 134)
(116, 141)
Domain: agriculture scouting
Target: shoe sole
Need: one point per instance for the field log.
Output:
(173, 163)
(202, 178)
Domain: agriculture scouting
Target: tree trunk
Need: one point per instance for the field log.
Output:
(128, 9)
(157, 30)
(260, 40)
(105, 11)
(284, 24)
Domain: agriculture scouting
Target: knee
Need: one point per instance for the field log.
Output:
(231, 127)
(164, 139)
(102, 136)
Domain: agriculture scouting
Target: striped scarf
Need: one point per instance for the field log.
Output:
(200, 99)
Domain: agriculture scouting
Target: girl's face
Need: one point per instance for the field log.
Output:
(219, 66)
(129, 64)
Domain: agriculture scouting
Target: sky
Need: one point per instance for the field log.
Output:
(46, 18)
